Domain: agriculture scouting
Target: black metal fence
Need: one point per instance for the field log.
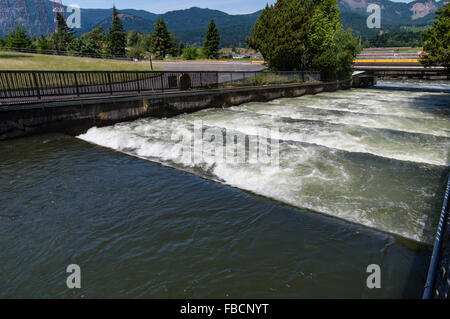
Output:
(32, 86)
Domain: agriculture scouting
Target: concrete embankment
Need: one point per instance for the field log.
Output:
(76, 116)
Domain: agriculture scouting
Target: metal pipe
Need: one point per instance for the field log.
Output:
(429, 285)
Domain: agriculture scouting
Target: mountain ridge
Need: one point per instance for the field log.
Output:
(190, 24)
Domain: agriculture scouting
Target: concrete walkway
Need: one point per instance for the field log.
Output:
(244, 66)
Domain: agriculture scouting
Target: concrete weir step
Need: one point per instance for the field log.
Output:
(76, 116)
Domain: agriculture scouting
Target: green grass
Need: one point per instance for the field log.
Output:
(38, 62)
(267, 78)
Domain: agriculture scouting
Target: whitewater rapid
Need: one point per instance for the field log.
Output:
(372, 157)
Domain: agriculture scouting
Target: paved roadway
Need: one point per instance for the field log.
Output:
(211, 66)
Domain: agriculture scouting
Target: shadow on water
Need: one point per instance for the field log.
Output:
(423, 102)
(433, 103)
(438, 105)
(411, 89)
(423, 255)
(426, 102)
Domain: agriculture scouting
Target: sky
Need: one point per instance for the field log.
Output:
(162, 6)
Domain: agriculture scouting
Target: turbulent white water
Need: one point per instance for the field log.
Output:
(371, 157)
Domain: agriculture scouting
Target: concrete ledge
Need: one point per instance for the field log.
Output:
(76, 116)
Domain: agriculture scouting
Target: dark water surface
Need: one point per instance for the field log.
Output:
(139, 229)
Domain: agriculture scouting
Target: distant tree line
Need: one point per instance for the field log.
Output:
(115, 43)
(394, 39)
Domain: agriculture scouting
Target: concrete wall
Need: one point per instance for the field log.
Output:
(75, 117)
(363, 81)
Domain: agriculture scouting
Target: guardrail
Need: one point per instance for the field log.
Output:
(31, 86)
(434, 263)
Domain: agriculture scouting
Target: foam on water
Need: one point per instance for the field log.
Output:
(437, 127)
(402, 104)
(350, 168)
(353, 138)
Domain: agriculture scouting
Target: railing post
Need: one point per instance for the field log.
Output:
(110, 83)
(231, 76)
(256, 79)
(36, 85)
(76, 83)
(162, 82)
(201, 84)
(8, 85)
(137, 82)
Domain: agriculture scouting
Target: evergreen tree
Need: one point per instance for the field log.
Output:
(161, 39)
(43, 44)
(281, 34)
(212, 41)
(437, 39)
(116, 38)
(18, 38)
(63, 35)
(305, 34)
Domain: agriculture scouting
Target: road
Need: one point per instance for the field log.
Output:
(210, 66)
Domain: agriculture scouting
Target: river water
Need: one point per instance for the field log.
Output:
(348, 179)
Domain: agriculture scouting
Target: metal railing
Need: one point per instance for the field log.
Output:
(34, 86)
(434, 263)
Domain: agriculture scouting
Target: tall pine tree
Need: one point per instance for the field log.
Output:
(63, 35)
(161, 39)
(212, 41)
(18, 38)
(116, 39)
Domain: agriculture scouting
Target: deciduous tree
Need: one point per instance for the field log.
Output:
(437, 39)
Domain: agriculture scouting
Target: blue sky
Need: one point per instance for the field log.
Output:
(162, 6)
